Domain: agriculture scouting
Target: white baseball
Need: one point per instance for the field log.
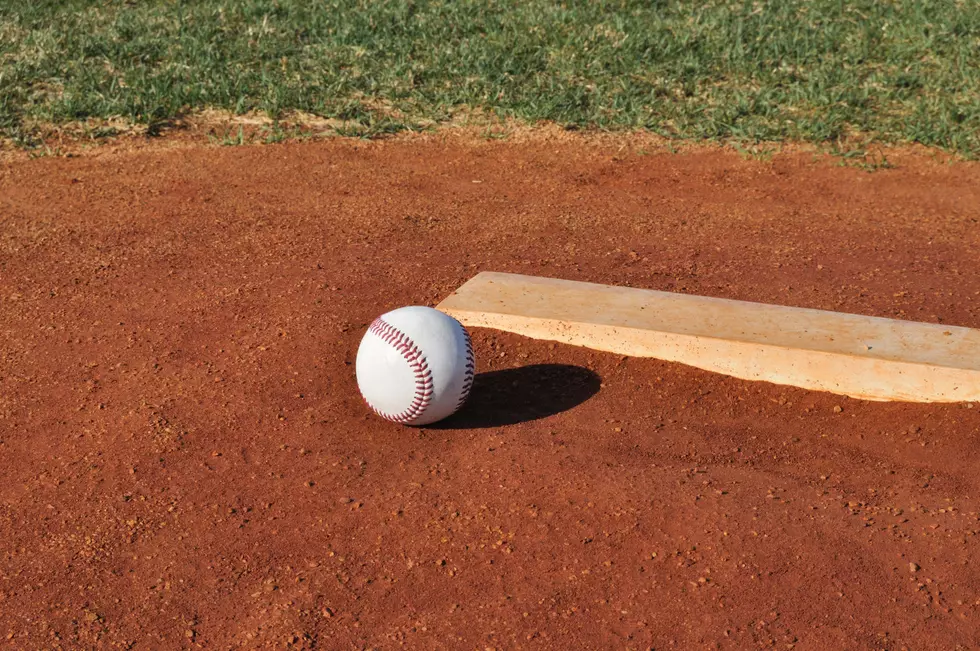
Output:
(415, 365)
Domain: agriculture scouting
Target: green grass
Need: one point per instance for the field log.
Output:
(810, 70)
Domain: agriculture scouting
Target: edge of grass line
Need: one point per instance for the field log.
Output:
(212, 128)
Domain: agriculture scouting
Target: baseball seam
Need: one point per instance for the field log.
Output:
(420, 367)
(470, 370)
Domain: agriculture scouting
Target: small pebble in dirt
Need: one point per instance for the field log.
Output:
(913, 567)
(838, 409)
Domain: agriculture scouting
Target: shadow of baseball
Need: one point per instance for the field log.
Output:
(519, 395)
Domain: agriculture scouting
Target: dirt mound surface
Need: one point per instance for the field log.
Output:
(186, 461)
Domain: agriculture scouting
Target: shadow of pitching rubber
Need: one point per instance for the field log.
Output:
(519, 395)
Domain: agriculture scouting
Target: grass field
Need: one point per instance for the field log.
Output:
(811, 70)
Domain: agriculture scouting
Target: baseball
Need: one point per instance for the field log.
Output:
(415, 365)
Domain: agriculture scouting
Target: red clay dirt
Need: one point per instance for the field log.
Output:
(186, 462)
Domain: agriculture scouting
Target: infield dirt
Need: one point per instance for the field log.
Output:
(185, 461)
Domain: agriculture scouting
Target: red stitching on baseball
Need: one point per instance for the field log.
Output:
(470, 370)
(420, 366)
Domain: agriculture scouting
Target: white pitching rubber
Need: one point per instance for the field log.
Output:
(859, 356)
